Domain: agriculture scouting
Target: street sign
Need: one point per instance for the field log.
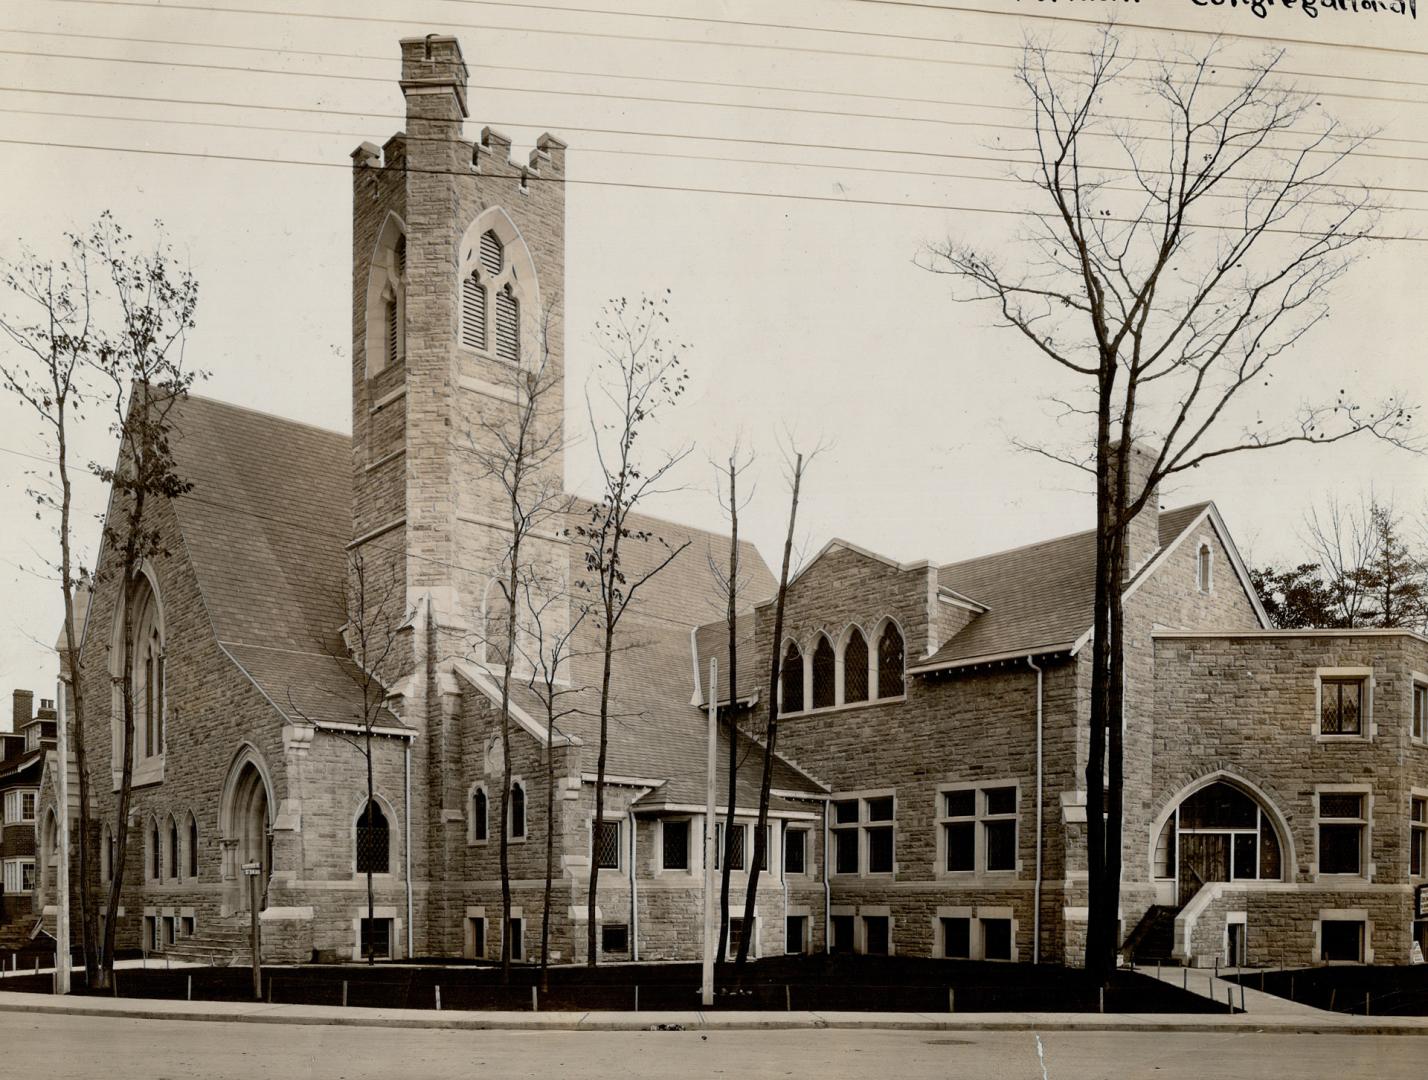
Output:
(252, 869)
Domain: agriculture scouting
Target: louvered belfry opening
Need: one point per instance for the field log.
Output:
(392, 330)
(855, 668)
(373, 840)
(508, 326)
(473, 313)
(825, 674)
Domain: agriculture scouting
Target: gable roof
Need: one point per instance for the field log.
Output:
(1040, 597)
(270, 566)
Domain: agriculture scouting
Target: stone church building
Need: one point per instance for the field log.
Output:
(928, 798)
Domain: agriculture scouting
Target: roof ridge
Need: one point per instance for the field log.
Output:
(1056, 539)
(252, 411)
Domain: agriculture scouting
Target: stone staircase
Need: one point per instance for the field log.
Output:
(223, 943)
(1153, 939)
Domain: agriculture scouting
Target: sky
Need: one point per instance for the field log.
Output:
(780, 167)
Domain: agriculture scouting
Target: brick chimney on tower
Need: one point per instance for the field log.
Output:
(1142, 540)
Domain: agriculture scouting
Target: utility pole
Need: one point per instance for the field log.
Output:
(252, 870)
(62, 827)
(710, 934)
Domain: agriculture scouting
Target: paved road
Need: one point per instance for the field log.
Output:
(42, 1047)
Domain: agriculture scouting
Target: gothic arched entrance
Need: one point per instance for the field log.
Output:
(247, 826)
(1219, 832)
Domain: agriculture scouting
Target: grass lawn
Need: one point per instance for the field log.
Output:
(1358, 988)
(819, 983)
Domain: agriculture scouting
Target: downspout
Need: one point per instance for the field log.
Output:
(634, 895)
(1036, 892)
(827, 888)
(407, 844)
(783, 880)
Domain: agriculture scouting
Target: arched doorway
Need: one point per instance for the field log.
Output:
(1219, 832)
(48, 860)
(247, 821)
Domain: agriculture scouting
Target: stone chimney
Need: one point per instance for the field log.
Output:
(433, 80)
(47, 710)
(1143, 533)
(23, 710)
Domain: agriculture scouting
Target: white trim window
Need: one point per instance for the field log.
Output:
(864, 835)
(1420, 708)
(19, 875)
(1418, 836)
(1342, 832)
(674, 835)
(20, 805)
(977, 826)
(741, 851)
(605, 844)
(1344, 703)
(795, 851)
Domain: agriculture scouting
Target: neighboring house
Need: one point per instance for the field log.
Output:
(929, 797)
(32, 734)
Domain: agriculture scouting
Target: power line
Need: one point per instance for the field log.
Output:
(831, 166)
(629, 76)
(629, 133)
(605, 35)
(665, 100)
(842, 201)
(1216, 34)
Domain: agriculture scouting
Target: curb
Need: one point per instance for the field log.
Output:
(627, 1022)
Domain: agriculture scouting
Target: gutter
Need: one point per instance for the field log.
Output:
(827, 890)
(1036, 892)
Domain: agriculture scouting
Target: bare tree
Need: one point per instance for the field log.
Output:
(375, 612)
(1180, 257)
(730, 584)
(141, 375)
(1344, 541)
(551, 652)
(640, 373)
(48, 332)
(519, 448)
(797, 465)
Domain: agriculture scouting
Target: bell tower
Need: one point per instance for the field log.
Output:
(458, 269)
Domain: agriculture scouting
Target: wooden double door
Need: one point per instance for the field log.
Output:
(1204, 857)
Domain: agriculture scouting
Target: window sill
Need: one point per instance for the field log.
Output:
(1321, 737)
(823, 710)
(486, 354)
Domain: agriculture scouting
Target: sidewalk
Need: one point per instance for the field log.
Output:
(1256, 1003)
(1308, 1021)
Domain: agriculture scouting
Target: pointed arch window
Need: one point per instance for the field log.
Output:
(156, 854)
(147, 653)
(192, 846)
(508, 325)
(173, 849)
(374, 840)
(479, 815)
(792, 679)
(825, 674)
(855, 668)
(518, 811)
(890, 661)
(385, 304)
